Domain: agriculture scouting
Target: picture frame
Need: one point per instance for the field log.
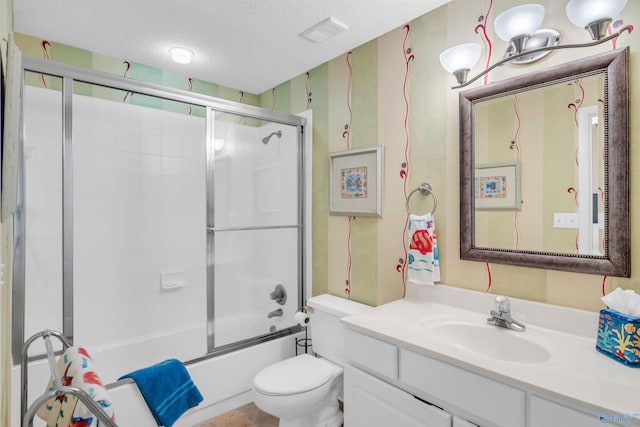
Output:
(355, 182)
(497, 186)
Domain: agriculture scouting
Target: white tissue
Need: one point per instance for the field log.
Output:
(302, 318)
(624, 301)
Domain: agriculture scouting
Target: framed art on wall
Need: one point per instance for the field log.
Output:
(355, 182)
(497, 186)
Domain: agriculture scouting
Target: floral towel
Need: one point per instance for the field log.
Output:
(423, 265)
(77, 370)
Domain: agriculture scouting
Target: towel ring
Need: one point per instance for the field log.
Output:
(424, 188)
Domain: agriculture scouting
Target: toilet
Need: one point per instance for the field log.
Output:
(303, 391)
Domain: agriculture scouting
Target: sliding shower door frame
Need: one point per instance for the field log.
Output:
(70, 75)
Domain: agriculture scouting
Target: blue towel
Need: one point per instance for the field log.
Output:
(168, 390)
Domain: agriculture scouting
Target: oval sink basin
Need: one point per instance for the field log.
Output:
(491, 341)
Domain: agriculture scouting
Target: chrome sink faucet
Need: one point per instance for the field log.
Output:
(501, 316)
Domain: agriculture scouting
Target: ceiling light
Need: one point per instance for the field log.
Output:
(324, 30)
(181, 55)
(519, 26)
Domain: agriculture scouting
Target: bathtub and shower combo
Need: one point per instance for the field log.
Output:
(154, 223)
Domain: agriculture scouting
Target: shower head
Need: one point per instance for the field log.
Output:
(266, 139)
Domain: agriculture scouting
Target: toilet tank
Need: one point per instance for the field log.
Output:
(327, 331)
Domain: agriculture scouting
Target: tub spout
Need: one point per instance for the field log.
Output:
(275, 313)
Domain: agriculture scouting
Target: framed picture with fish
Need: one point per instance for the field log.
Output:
(497, 186)
(355, 182)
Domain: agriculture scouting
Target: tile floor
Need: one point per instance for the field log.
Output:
(245, 416)
(250, 413)
(259, 418)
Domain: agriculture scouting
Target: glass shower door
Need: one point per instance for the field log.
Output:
(256, 230)
(139, 251)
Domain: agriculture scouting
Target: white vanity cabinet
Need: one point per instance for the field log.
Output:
(544, 413)
(389, 385)
(477, 397)
(371, 402)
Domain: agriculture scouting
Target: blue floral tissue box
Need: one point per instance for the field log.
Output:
(619, 337)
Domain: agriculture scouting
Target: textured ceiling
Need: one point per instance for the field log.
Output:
(250, 45)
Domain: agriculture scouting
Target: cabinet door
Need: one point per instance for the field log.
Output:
(543, 413)
(495, 403)
(371, 402)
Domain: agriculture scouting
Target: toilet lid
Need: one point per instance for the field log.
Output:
(296, 375)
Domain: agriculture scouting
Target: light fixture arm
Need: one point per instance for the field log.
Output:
(542, 49)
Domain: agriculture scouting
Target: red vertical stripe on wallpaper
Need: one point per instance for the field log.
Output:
(306, 85)
(45, 45)
(190, 84)
(408, 58)
(622, 28)
(346, 134)
(482, 26)
(515, 146)
(273, 95)
(127, 67)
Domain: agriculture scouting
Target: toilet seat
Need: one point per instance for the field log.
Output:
(299, 374)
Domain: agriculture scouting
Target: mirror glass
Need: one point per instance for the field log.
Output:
(544, 168)
(539, 169)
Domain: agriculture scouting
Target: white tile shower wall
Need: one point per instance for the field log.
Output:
(139, 210)
(130, 224)
(43, 209)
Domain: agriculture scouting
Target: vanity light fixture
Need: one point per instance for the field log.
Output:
(527, 43)
(594, 15)
(461, 58)
(516, 25)
(181, 55)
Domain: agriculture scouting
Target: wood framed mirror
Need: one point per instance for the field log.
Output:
(544, 168)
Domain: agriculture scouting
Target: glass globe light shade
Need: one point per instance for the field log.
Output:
(518, 21)
(461, 57)
(584, 12)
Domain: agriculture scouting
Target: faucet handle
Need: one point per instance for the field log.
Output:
(279, 294)
(502, 304)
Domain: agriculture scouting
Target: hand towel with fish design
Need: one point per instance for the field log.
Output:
(423, 266)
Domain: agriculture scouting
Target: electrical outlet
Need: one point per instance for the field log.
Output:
(565, 220)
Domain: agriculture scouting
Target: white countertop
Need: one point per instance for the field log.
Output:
(574, 370)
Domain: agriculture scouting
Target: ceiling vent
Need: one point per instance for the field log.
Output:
(324, 30)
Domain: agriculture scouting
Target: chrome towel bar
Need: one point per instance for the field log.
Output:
(58, 388)
(424, 189)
